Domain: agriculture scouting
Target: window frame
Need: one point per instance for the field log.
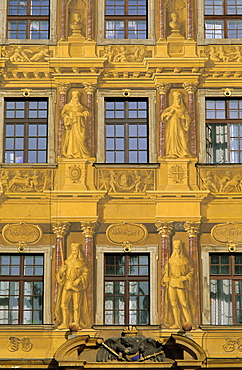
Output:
(46, 251)
(139, 94)
(206, 250)
(150, 40)
(51, 96)
(102, 250)
(202, 95)
(52, 40)
(201, 40)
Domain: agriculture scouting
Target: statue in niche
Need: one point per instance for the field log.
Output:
(174, 24)
(178, 280)
(76, 24)
(76, 17)
(75, 117)
(177, 120)
(73, 279)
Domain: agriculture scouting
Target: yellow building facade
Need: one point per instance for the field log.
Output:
(120, 184)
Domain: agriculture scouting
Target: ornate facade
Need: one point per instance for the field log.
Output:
(120, 184)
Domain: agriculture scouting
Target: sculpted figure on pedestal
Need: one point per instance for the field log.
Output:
(75, 117)
(174, 24)
(177, 120)
(178, 280)
(73, 279)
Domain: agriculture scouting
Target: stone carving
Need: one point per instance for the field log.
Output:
(232, 344)
(75, 117)
(177, 120)
(222, 181)
(24, 181)
(17, 343)
(126, 232)
(89, 228)
(135, 181)
(75, 173)
(73, 280)
(224, 53)
(131, 348)
(175, 5)
(20, 54)
(164, 228)
(177, 174)
(76, 17)
(229, 232)
(22, 232)
(174, 24)
(178, 283)
(125, 53)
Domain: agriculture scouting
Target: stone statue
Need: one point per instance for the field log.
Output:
(178, 280)
(177, 119)
(73, 279)
(41, 54)
(174, 24)
(75, 117)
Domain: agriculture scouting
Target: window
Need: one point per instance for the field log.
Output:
(126, 19)
(26, 130)
(223, 19)
(28, 19)
(21, 288)
(224, 130)
(126, 130)
(126, 289)
(226, 288)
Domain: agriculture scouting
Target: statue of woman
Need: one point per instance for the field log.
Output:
(177, 119)
(75, 117)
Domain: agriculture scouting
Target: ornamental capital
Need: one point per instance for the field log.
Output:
(63, 87)
(191, 88)
(89, 88)
(163, 88)
(60, 228)
(88, 228)
(192, 228)
(164, 228)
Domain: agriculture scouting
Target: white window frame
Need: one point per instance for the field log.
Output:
(51, 95)
(201, 40)
(52, 27)
(152, 250)
(47, 252)
(151, 96)
(101, 40)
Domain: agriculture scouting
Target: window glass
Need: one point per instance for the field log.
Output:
(21, 289)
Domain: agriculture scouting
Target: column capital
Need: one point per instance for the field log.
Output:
(192, 228)
(60, 228)
(163, 88)
(63, 87)
(88, 228)
(191, 88)
(164, 228)
(89, 88)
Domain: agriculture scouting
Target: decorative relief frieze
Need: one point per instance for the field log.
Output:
(177, 173)
(224, 53)
(221, 181)
(232, 344)
(25, 181)
(134, 181)
(19, 53)
(20, 343)
(125, 53)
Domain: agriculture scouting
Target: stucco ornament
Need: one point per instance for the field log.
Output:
(75, 117)
(178, 281)
(177, 121)
(73, 280)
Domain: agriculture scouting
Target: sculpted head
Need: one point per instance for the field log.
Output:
(177, 247)
(75, 96)
(177, 97)
(174, 17)
(75, 250)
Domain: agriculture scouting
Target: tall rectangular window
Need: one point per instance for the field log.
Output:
(224, 130)
(28, 19)
(126, 130)
(126, 19)
(223, 19)
(26, 130)
(21, 289)
(126, 289)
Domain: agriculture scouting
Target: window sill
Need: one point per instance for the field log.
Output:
(28, 165)
(16, 327)
(209, 327)
(121, 327)
(150, 41)
(126, 165)
(41, 42)
(202, 42)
